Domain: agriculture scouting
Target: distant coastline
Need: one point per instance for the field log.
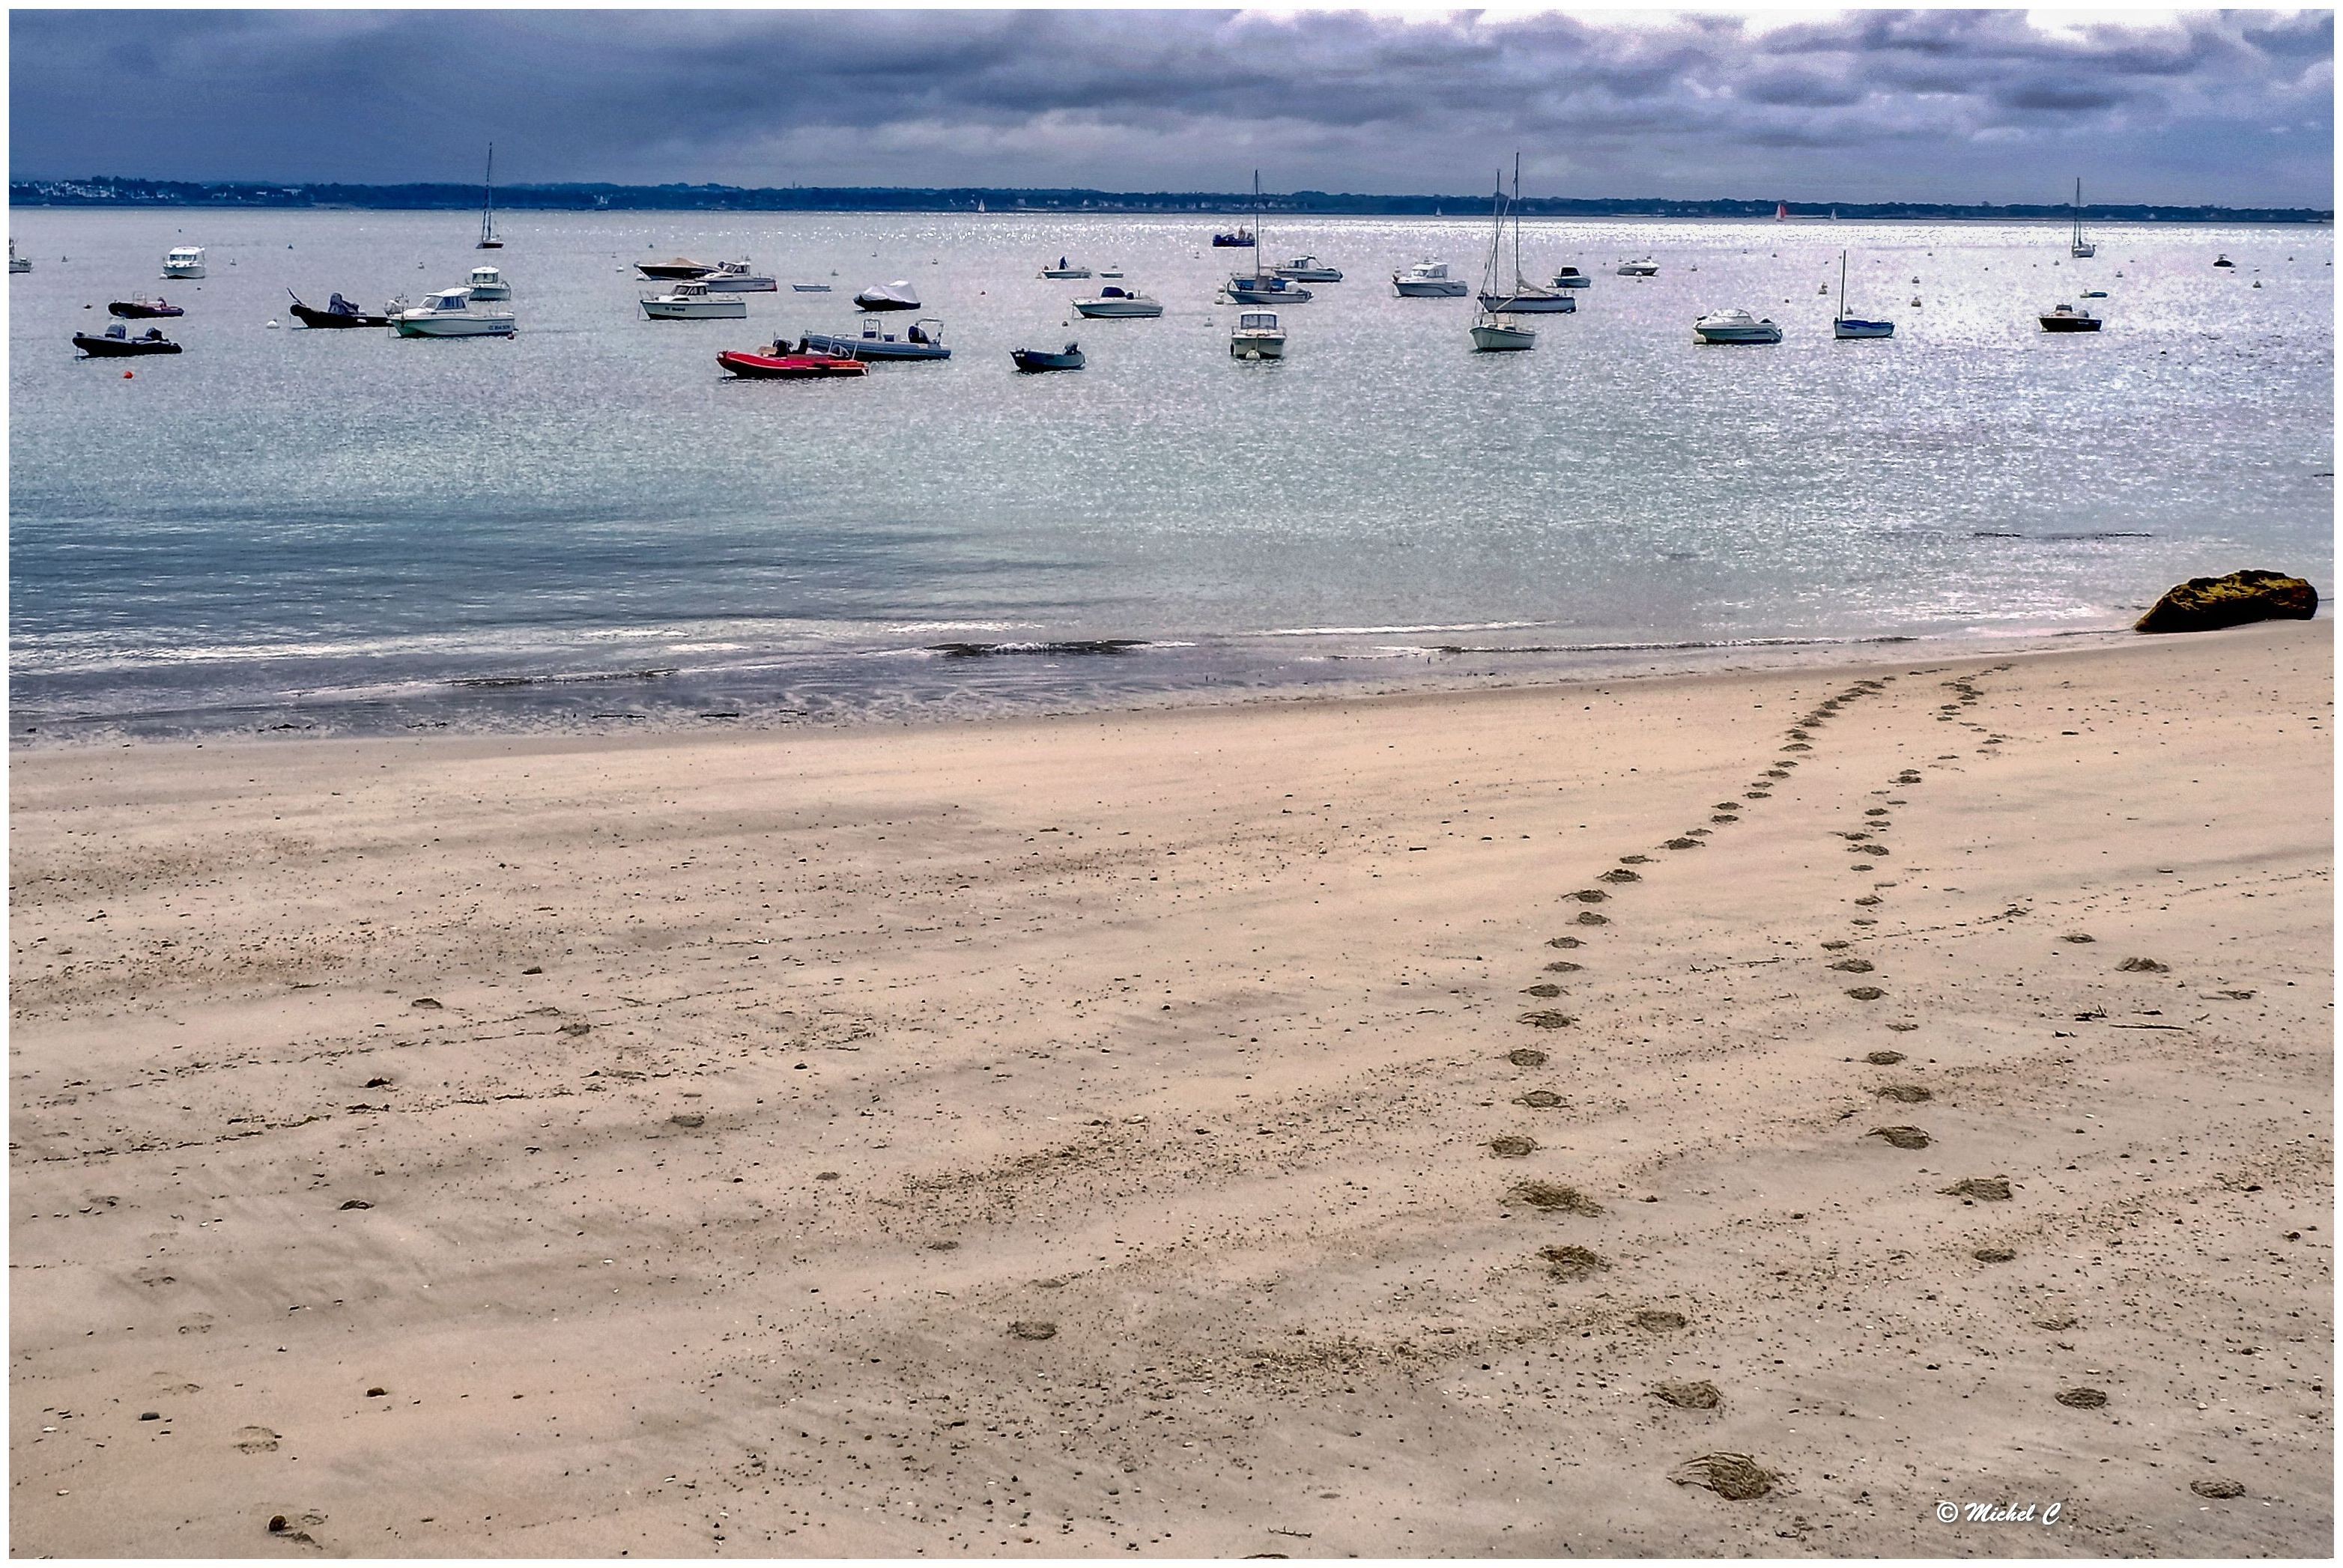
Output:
(114, 190)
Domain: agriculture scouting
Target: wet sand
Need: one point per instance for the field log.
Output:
(1384, 1126)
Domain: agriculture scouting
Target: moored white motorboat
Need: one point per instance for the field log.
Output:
(1646, 268)
(1065, 269)
(1308, 269)
(692, 301)
(734, 278)
(1735, 326)
(487, 283)
(1429, 280)
(184, 261)
(449, 313)
(2066, 318)
(896, 296)
(1115, 301)
(1257, 336)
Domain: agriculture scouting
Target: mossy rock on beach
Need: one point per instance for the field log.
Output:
(2209, 604)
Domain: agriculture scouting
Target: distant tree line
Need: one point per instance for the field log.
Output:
(113, 190)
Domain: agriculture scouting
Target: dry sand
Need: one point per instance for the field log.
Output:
(1104, 1135)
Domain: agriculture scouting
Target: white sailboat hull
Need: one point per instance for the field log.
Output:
(1495, 337)
(1532, 301)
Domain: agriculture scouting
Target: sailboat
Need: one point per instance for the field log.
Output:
(2078, 248)
(1525, 298)
(1844, 325)
(1263, 287)
(488, 240)
(1780, 212)
(1495, 331)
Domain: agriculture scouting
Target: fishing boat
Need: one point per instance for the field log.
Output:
(1845, 327)
(1571, 277)
(338, 312)
(1496, 331)
(1523, 297)
(1731, 326)
(2078, 248)
(18, 263)
(488, 240)
(1646, 268)
(692, 301)
(141, 309)
(115, 342)
(1065, 269)
(487, 283)
(1257, 336)
(734, 278)
(1429, 280)
(775, 362)
(1308, 269)
(184, 261)
(680, 267)
(1114, 301)
(923, 340)
(1069, 357)
(449, 313)
(1241, 239)
(2066, 318)
(896, 295)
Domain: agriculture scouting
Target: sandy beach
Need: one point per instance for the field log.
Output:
(1385, 1126)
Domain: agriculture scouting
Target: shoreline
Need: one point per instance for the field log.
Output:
(1360, 676)
(1425, 1123)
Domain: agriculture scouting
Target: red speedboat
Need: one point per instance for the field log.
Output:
(771, 363)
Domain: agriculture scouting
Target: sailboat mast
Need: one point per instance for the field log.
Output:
(1842, 288)
(1257, 246)
(1517, 222)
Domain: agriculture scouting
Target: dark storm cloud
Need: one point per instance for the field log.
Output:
(1950, 105)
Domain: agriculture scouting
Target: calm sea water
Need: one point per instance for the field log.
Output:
(588, 526)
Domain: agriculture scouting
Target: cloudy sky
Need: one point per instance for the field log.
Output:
(1948, 105)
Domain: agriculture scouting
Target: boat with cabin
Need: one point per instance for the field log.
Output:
(692, 301)
(1571, 277)
(487, 283)
(2066, 318)
(1116, 302)
(1308, 269)
(1429, 280)
(1735, 326)
(1263, 286)
(1257, 336)
(1642, 268)
(450, 313)
(184, 261)
(1239, 239)
(734, 278)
